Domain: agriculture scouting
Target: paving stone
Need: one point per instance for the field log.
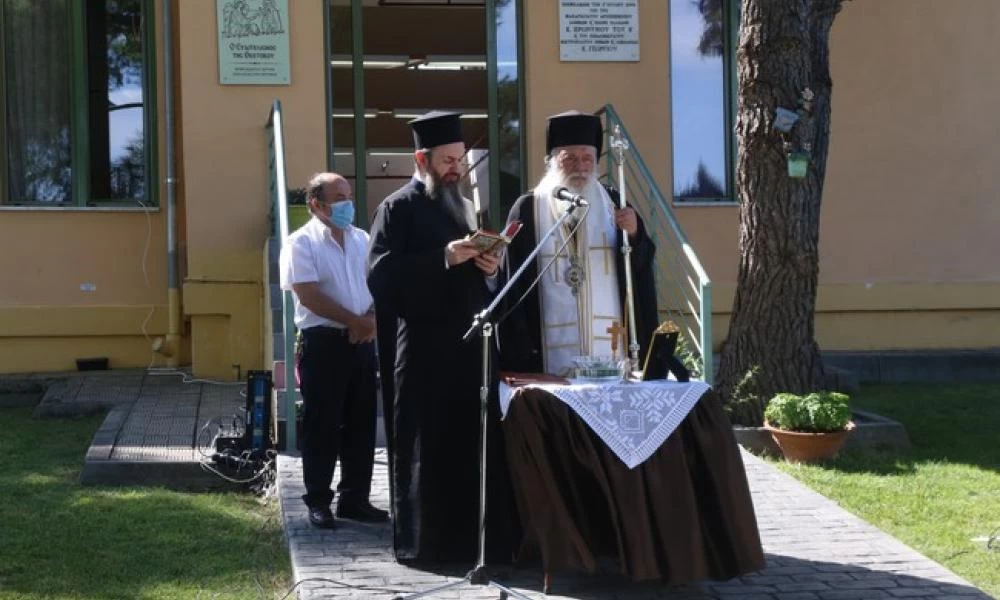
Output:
(853, 595)
(805, 586)
(914, 592)
(815, 577)
(154, 426)
(761, 579)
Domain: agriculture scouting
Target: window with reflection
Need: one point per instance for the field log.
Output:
(73, 100)
(701, 61)
(117, 100)
(37, 100)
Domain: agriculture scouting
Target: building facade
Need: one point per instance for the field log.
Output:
(908, 246)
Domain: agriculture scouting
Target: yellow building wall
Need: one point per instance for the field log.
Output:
(223, 180)
(912, 178)
(46, 319)
(908, 240)
(908, 249)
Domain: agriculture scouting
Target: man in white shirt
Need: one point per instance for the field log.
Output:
(325, 264)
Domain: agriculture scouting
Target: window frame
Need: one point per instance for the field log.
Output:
(3, 112)
(731, 18)
(79, 122)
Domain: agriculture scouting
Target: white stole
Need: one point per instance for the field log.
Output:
(576, 325)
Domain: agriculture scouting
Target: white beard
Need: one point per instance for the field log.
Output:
(554, 178)
(575, 323)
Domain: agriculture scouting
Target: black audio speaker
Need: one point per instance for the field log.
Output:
(259, 415)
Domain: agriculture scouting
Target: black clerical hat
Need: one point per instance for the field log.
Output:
(436, 128)
(574, 128)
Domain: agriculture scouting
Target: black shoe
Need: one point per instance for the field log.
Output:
(322, 517)
(361, 511)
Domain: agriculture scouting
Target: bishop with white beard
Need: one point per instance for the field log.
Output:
(583, 293)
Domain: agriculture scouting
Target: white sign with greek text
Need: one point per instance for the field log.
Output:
(599, 30)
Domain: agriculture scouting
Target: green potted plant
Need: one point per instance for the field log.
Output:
(810, 427)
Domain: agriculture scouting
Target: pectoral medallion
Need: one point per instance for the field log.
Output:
(574, 274)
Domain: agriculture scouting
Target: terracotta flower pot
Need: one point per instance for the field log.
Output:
(806, 447)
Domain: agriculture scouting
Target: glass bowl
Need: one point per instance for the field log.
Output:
(599, 368)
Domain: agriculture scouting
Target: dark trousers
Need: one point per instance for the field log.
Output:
(339, 415)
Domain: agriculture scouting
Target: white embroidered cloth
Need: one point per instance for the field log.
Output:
(633, 419)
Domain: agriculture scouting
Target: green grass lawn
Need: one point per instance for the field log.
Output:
(59, 539)
(941, 495)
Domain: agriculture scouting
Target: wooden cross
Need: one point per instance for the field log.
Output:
(616, 331)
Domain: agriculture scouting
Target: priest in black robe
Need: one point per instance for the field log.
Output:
(573, 144)
(426, 274)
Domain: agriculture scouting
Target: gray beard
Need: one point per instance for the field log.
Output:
(451, 200)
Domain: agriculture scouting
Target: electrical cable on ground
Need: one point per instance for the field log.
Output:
(187, 378)
(258, 470)
(150, 369)
(341, 584)
(145, 277)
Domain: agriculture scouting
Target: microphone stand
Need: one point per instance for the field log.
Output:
(479, 575)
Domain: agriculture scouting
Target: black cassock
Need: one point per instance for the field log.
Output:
(520, 334)
(435, 438)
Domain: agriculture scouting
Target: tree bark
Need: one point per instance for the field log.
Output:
(770, 348)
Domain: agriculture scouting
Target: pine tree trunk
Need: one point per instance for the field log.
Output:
(783, 50)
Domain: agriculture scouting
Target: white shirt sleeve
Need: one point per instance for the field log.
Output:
(493, 281)
(297, 264)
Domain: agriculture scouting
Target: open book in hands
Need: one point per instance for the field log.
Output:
(494, 243)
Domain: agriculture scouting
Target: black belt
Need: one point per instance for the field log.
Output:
(323, 331)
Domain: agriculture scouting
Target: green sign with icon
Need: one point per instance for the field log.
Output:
(253, 42)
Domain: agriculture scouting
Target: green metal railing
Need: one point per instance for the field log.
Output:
(683, 289)
(278, 187)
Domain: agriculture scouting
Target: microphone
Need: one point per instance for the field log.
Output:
(563, 193)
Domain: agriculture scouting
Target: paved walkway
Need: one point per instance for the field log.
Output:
(157, 438)
(153, 432)
(815, 551)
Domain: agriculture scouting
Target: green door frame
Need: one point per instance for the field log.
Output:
(331, 158)
(79, 119)
(3, 116)
(360, 147)
(493, 114)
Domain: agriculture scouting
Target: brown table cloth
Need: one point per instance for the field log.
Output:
(685, 514)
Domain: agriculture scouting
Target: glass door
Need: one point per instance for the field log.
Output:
(392, 60)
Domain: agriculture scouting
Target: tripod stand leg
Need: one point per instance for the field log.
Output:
(480, 574)
(547, 582)
(436, 590)
(506, 592)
